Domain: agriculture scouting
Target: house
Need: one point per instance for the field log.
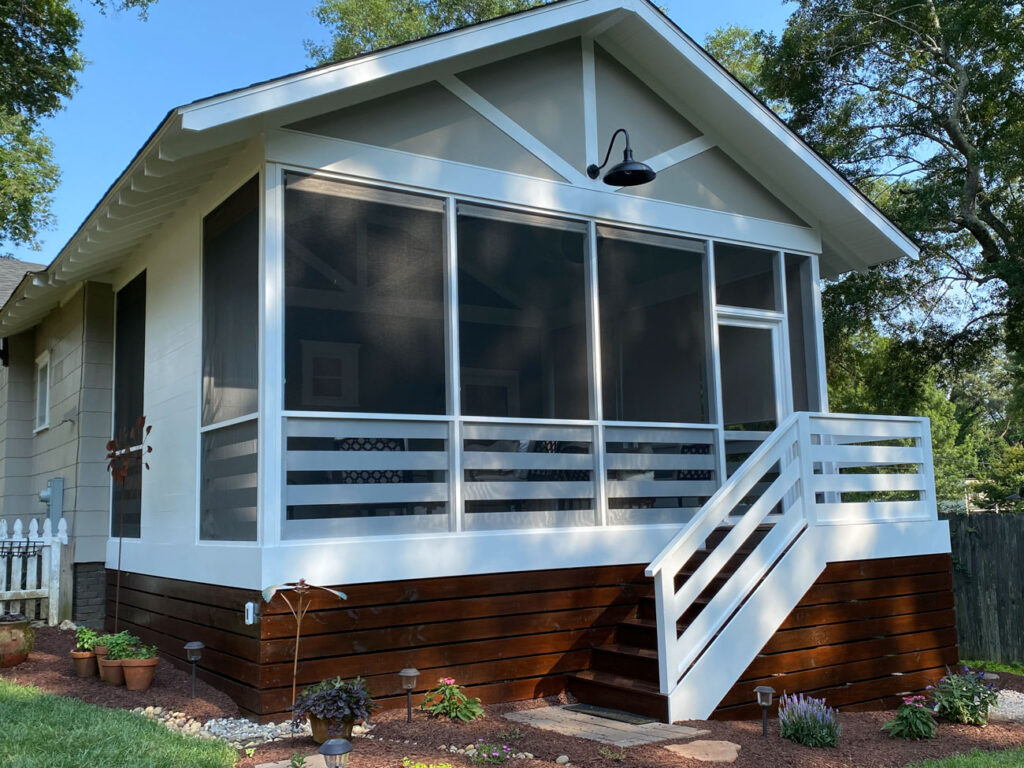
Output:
(546, 431)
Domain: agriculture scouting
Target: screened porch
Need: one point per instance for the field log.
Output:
(452, 366)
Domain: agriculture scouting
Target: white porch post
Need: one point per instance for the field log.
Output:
(271, 378)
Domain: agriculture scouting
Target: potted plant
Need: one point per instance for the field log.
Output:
(101, 649)
(16, 639)
(333, 706)
(139, 666)
(82, 655)
(119, 646)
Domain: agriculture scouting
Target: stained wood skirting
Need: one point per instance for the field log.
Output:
(865, 633)
(505, 636)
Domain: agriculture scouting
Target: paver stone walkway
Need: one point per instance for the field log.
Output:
(583, 726)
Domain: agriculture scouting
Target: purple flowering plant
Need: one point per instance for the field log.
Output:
(964, 696)
(808, 721)
(487, 753)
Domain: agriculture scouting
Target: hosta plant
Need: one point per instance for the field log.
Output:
(964, 697)
(914, 720)
(448, 700)
(808, 721)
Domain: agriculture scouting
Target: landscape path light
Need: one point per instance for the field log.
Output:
(408, 677)
(335, 752)
(764, 698)
(194, 652)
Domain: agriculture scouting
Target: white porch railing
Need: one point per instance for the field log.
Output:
(814, 470)
(30, 569)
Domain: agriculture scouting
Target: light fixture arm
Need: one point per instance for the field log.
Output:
(593, 171)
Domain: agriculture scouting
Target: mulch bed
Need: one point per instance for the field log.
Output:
(863, 745)
(49, 668)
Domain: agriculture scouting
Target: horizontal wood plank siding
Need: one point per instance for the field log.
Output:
(865, 633)
(504, 636)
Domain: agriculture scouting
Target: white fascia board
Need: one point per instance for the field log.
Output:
(770, 122)
(259, 99)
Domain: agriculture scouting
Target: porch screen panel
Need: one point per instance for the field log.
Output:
(129, 387)
(802, 343)
(745, 277)
(522, 315)
(748, 378)
(653, 330)
(228, 507)
(364, 303)
(231, 307)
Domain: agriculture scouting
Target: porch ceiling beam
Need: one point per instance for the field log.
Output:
(126, 215)
(162, 167)
(133, 198)
(513, 130)
(143, 183)
(115, 228)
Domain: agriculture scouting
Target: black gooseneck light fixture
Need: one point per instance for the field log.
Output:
(628, 173)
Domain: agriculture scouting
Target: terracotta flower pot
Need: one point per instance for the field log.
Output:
(85, 663)
(138, 673)
(340, 729)
(16, 641)
(101, 652)
(111, 671)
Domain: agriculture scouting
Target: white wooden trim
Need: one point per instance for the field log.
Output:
(590, 137)
(365, 163)
(513, 130)
(229, 422)
(819, 335)
(271, 440)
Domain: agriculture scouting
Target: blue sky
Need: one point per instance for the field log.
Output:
(189, 49)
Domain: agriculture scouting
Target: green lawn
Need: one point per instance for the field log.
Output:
(1014, 758)
(38, 730)
(1017, 668)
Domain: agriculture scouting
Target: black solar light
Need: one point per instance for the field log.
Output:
(764, 698)
(335, 752)
(194, 652)
(409, 676)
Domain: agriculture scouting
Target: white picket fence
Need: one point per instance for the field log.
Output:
(30, 568)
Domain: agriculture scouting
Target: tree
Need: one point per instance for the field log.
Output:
(925, 101)
(359, 26)
(39, 66)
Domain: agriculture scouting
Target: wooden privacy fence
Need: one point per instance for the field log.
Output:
(30, 569)
(988, 585)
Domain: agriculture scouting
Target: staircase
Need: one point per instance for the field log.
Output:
(728, 579)
(624, 674)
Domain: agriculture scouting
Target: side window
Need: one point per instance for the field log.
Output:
(43, 391)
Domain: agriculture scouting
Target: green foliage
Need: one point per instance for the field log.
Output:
(1012, 758)
(914, 720)
(488, 753)
(964, 697)
(44, 731)
(118, 645)
(333, 700)
(85, 638)
(1014, 668)
(139, 652)
(359, 26)
(407, 763)
(40, 63)
(297, 761)
(808, 721)
(618, 755)
(448, 700)
(511, 734)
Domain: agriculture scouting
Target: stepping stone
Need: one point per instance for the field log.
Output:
(707, 751)
(584, 726)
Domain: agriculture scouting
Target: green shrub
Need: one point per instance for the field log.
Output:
(85, 638)
(448, 700)
(964, 697)
(914, 720)
(808, 721)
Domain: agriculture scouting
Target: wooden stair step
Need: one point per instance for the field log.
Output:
(605, 689)
(626, 661)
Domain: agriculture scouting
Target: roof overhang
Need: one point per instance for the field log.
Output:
(197, 139)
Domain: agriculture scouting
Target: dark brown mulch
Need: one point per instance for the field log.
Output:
(863, 745)
(49, 668)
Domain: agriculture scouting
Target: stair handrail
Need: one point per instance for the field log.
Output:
(700, 526)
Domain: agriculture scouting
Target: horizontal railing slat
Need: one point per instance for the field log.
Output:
(328, 461)
(876, 483)
(366, 493)
(341, 429)
(626, 489)
(512, 491)
(502, 460)
(651, 461)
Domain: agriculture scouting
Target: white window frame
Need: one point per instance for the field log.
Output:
(43, 361)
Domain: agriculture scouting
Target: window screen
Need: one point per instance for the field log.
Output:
(231, 307)
(129, 377)
(522, 315)
(745, 277)
(653, 347)
(228, 501)
(802, 342)
(364, 306)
